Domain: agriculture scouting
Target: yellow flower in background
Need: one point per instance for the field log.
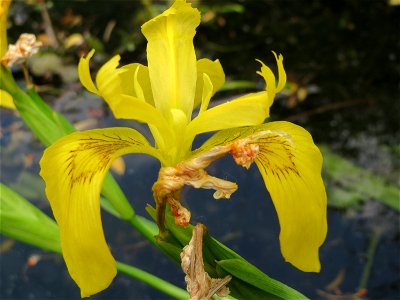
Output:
(164, 95)
(4, 5)
(6, 100)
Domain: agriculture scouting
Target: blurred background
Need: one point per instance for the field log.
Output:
(342, 61)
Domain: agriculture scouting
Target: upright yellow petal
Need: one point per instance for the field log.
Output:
(214, 71)
(290, 165)
(171, 57)
(73, 169)
(281, 72)
(132, 80)
(141, 81)
(124, 89)
(112, 81)
(244, 111)
(108, 80)
(207, 93)
(271, 86)
(84, 73)
(248, 110)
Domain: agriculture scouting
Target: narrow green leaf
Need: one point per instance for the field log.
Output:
(244, 290)
(253, 276)
(21, 220)
(219, 250)
(172, 250)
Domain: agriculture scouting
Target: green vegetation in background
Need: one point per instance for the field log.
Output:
(349, 184)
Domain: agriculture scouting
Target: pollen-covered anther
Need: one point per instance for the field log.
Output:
(244, 153)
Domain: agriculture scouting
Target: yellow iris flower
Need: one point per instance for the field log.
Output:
(164, 95)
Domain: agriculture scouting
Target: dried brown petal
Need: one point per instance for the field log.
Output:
(198, 283)
(172, 179)
(25, 47)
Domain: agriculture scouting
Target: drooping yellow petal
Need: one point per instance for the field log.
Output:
(214, 71)
(171, 57)
(6, 100)
(73, 169)
(290, 165)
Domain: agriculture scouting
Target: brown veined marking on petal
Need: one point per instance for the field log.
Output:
(96, 146)
(272, 160)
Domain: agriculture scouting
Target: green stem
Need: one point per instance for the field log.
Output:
(373, 245)
(156, 282)
(146, 227)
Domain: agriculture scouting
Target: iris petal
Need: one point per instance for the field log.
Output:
(214, 71)
(171, 57)
(248, 110)
(269, 77)
(290, 165)
(117, 87)
(73, 169)
(244, 111)
(84, 73)
(207, 93)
